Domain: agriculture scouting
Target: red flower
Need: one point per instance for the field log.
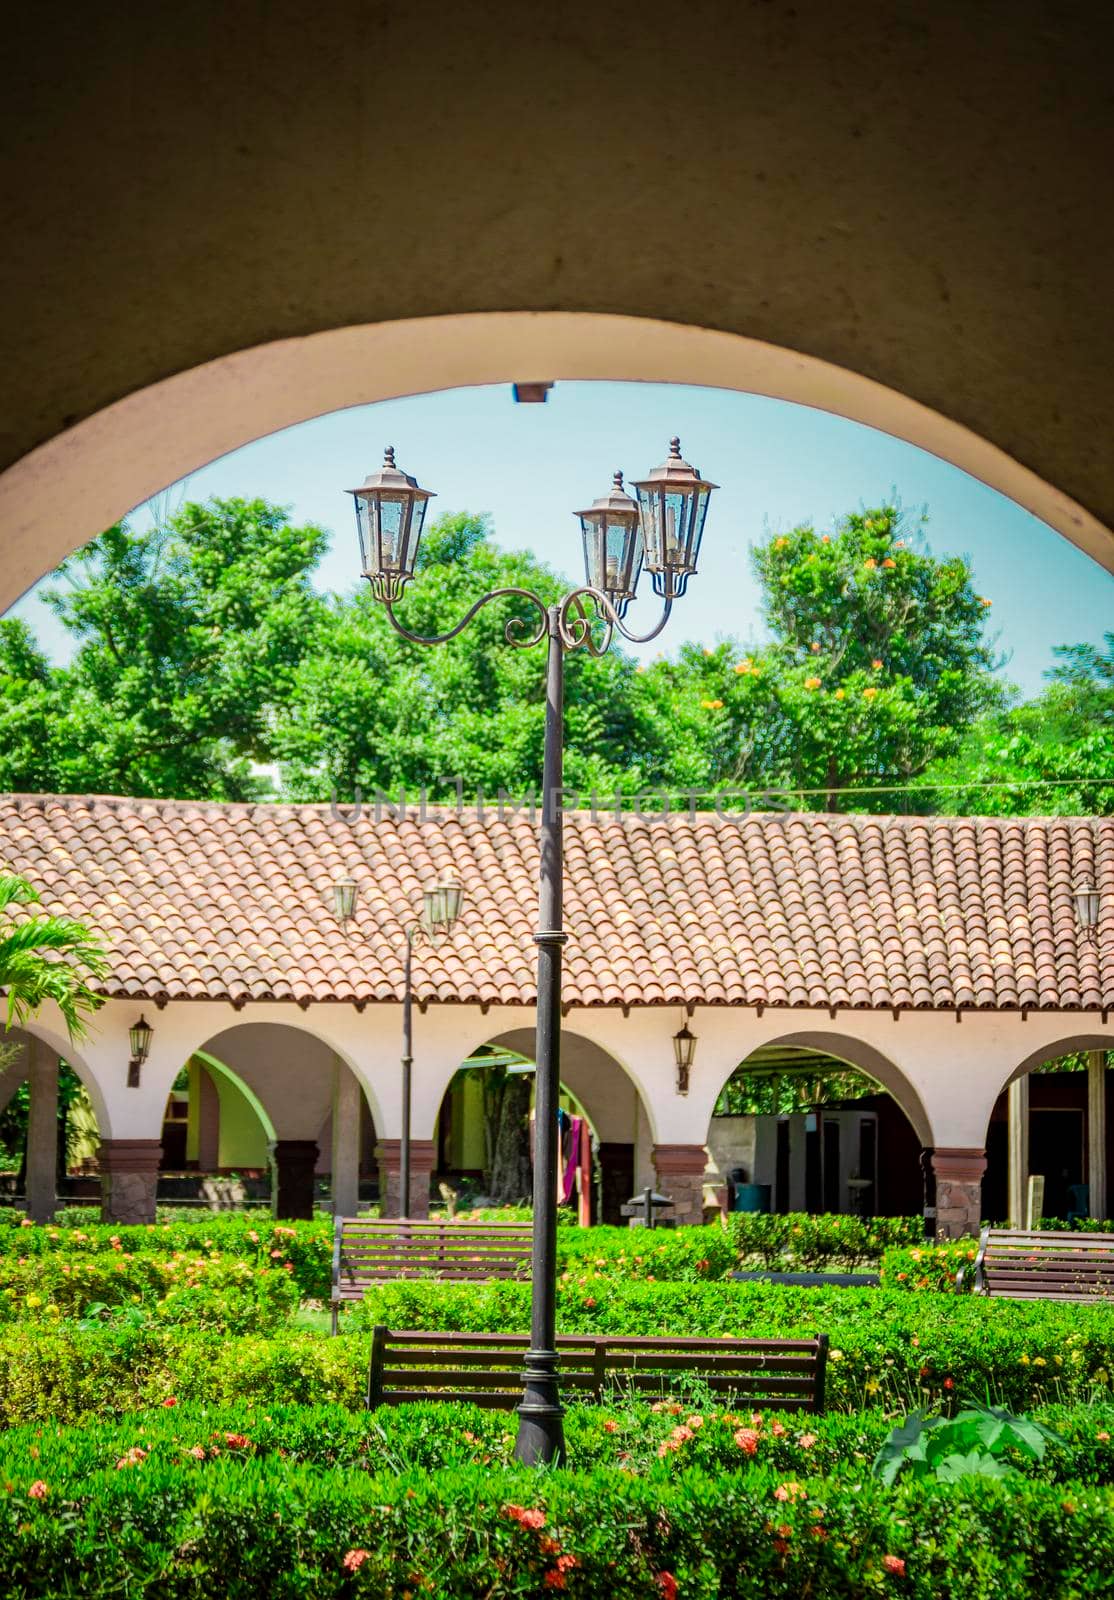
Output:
(237, 1441)
(170, 1401)
(949, 1383)
(667, 1586)
(747, 1439)
(526, 1517)
(611, 1426)
(38, 1490)
(895, 1565)
(355, 1559)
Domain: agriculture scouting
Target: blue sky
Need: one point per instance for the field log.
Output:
(531, 466)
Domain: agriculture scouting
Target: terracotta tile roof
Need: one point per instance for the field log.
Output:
(234, 902)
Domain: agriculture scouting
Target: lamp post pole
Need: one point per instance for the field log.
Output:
(663, 530)
(441, 906)
(407, 1074)
(540, 1425)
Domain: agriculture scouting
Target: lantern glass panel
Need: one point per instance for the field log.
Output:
(684, 1048)
(344, 898)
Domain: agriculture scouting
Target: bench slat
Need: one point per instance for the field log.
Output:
(1030, 1265)
(421, 1365)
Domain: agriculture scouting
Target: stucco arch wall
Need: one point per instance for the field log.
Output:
(869, 1059)
(597, 1078)
(60, 1042)
(898, 192)
(100, 469)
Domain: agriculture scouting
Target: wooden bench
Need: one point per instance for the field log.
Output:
(367, 1251)
(1044, 1266)
(486, 1368)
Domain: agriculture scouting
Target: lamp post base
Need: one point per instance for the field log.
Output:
(541, 1428)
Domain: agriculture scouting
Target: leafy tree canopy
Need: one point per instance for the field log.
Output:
(877, 664)
(1053, 756)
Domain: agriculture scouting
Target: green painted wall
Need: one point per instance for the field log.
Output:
(243, 1139)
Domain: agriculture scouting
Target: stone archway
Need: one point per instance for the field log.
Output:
(1057, 1125)
(609, 1100)
(36, 1061)
(857, 1149)
(919, 234)
(121, 456)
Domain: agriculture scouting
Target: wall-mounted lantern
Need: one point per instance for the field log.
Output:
(684, 1048)
(139, 1037)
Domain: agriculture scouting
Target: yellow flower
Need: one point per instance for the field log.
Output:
(1039, 1361)
(835, 1355)
(780, 544)
(984, 602)
(712, 705)
(869, 694)
(815, 648)
(1023, 1361)
(870, 563)
(812, 683)
(744, 665)
(839, 694)
(34, 1300)
(872, 1386)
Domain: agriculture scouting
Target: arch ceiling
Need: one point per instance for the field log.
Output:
(906, 201)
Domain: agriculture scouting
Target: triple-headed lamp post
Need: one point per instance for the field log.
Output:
(660, 531)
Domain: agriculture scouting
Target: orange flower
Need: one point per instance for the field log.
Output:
(815, 648)
(870, 563)
(839, 694)
(38, 1490)
(983, 601)
(825, 538)
(743, 666)
(812, 683)
(889, 562)
(895, 1565)
(780, 544)
(876, 664)
(869, 694)
(526, 1517)
(610, 1426)
(355, 1559)
(790, 1491)
(747, 1440)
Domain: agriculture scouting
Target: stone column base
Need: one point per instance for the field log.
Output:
(129, 1179)
(958, 1191)
(422, 1160)
(292, 1180)
(680, 1169)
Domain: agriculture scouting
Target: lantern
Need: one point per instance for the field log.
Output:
(139, 1037)
(442, 905)
(344, 898)
(139, 1040)
(613, 545)
(673, 506)
(684, 1049)
(1087, 899)
(390, 513)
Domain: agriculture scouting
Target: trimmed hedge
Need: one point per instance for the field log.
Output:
(637, 1435)
(889, 1349)
(241, 1526)
(204, 1291)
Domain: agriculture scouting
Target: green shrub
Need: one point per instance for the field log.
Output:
(307, 1246)
(933, 1267)
(633, 1434)
(889, 1349)
(240, 1525)
(204, 1290)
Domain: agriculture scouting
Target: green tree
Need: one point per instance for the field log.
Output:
(368, 709)
(187, 638)
(46, 958)
(1052, 756)
(877, 664)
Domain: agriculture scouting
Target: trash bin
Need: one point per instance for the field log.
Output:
(752, 1197)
